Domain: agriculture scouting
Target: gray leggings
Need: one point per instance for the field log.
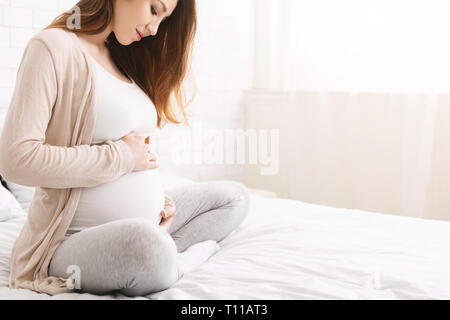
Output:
(136, 258)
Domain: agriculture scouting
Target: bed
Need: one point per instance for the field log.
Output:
(288, 249)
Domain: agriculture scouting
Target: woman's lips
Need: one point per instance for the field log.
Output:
(139, 35)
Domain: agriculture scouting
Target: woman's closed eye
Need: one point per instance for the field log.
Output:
(154, 11)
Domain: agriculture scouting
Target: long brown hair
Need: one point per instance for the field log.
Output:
(158, 64)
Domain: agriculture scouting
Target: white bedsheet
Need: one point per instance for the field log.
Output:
(288, 249)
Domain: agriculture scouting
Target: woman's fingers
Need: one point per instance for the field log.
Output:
(168, 211)
(171, 211)
(152, 164)
(152, 160)
(153, 156)
(165, 221)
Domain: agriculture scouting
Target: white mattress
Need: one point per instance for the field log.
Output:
(288, 249)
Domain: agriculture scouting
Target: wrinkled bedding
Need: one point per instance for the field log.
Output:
(288, 249)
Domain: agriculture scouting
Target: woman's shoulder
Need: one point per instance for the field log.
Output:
(58, 41)
(54, 34)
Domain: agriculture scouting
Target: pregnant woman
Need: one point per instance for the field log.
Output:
(129, 235)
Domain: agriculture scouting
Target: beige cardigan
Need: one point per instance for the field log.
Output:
(45, 143)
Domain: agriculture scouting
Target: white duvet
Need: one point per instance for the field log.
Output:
(288, 249)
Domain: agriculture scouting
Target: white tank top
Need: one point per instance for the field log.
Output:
(121, 107)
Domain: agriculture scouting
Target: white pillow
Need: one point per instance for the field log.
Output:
(23, 194)
(9, 206)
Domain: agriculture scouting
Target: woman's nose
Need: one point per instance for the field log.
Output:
(152, 30)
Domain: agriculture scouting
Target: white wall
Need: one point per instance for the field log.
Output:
(19, 20)
(223, 66)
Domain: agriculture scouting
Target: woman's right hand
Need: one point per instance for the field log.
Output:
(143, 158)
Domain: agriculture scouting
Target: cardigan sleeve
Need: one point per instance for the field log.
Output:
(24, 156)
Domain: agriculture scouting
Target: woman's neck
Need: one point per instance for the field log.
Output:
(98, 40)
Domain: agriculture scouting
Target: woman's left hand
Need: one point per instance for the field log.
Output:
(168, 213)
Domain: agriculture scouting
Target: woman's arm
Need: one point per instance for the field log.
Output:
(25, 158)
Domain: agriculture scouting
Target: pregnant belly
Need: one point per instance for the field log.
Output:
(134, 195)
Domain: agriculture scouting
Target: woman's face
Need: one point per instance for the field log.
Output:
(139, 16)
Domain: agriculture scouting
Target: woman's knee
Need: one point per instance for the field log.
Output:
(231, 191)
(239, 198)
(241, 190)
(235, 199)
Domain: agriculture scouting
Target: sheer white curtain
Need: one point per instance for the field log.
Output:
(363, 106)
(358, 45)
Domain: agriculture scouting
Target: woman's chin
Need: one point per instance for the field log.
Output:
(124, 42)
(127, 43)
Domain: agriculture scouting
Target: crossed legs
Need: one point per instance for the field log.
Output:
(137, 258)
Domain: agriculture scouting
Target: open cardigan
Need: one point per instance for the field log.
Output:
(45, 143)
